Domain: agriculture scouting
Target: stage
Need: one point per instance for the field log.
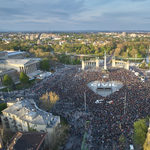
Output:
(104, 88)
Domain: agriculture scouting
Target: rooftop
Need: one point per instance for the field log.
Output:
(27, 111)
(26, 140)
(10, 53)
(25, 61)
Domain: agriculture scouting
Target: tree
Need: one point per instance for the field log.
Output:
(140, 131)
(146, 145)
(7, 80)
(49, 100)
(13, 86)
(44, 65)
(122, 139)
(24, 78)
(2, 107)
(149, 64)
(143, 65)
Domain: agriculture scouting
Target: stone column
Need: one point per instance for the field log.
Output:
(127, 65)
(105, 67)
(35, 67)
(27, 69)
(31, 68)
(97, 62)
(113, 62)
(83, 65)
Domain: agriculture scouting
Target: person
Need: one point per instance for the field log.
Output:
(107, 121)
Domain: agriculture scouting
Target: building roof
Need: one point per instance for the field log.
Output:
(24, 62)
(26, 141)
(10, 53)
(6, 71)
(27, 111)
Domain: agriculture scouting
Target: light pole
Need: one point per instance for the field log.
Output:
(85, 100)
(135, 57)
(127, 54)
(125, 103)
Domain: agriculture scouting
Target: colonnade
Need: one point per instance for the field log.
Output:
(123, 64)
(28, 69)
(90, 63)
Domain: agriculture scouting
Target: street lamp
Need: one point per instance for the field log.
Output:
(127, 54)
(135, 57)
(85, 100)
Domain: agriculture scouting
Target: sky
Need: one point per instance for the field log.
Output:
(66, 15)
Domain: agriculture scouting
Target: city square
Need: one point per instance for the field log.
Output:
(108, 120)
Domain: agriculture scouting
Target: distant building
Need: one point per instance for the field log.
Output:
(57, 38)
(31, 37)
(27, 141)
(62, 42)
(124, 34)
(27, 37)
(133, 35)
(25, 116)
(39, 42)
(16, 55)
(50, 43)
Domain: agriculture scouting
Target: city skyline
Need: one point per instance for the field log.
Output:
(19, 15)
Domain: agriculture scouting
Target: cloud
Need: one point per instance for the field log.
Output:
(137, 0)
(12, 11)
(75, 14)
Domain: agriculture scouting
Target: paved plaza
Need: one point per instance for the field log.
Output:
(107, 121)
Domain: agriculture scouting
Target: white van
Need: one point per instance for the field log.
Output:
(131, 147)
(136, 73)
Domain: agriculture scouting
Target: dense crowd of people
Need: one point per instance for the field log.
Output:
(107, 121)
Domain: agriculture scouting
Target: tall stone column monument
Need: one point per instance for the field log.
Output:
(105, 66)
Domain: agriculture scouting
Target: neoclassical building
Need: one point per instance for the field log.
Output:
(13, 63)
(90, 63)
(26, 65)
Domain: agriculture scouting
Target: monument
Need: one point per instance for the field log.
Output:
(105, 66)
(104, 69)
(90, 63)
(120, 64)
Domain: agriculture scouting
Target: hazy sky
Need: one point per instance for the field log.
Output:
(75, 15)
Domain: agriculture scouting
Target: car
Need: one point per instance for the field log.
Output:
(131, 147)
(136, 73)
(98, 101)
(109, 102)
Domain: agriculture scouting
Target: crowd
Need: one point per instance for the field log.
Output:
(108, 121)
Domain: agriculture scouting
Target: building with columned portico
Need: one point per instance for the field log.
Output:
(13, 63)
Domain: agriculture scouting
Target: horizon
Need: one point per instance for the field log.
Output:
(76, 31)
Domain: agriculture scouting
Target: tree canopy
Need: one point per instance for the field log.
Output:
(44, 64)
(2, 107)
(146, 145)
(140, 131)
(24, 78)
(7, 80)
